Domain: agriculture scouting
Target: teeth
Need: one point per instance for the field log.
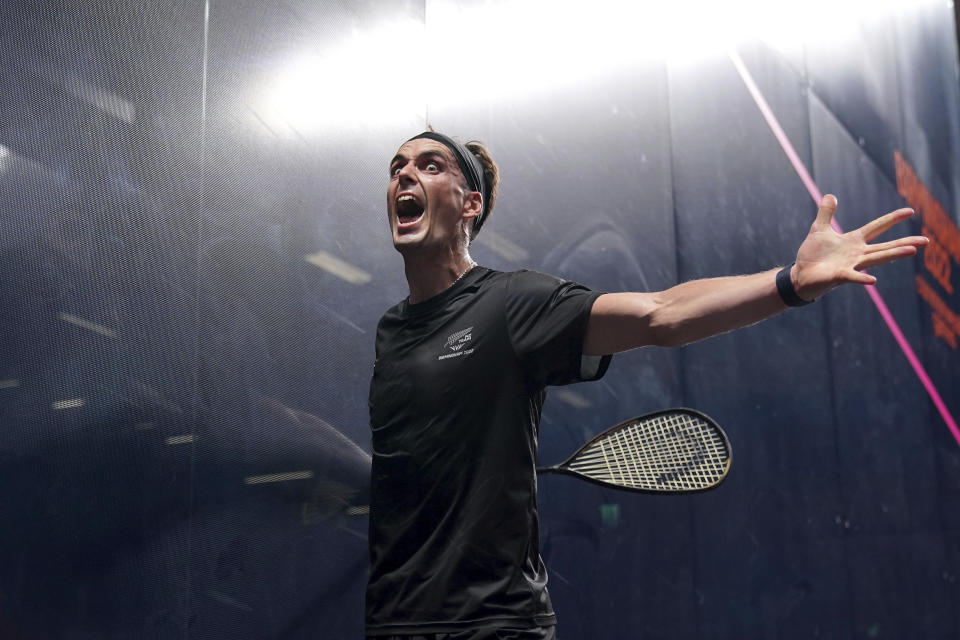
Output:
(409, 209)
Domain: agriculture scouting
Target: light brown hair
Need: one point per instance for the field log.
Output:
(491, 179)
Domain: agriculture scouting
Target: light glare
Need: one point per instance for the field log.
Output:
(361, 80)
(511, 50)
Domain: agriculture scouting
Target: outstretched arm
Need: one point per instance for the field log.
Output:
(702, 308)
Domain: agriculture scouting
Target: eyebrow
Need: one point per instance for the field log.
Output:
(431, 153)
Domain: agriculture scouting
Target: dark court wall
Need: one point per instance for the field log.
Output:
(194, 255)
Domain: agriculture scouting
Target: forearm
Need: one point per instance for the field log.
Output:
(695, 310)
(682, 314)
(702, 308)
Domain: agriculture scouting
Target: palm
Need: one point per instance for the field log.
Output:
(827, 258)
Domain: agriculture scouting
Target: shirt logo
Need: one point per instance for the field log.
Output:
(456, 343)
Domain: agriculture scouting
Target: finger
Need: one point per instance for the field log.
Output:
(911, 241)
(857, 277)
(875, 227)
(883, 257)
(828, 205)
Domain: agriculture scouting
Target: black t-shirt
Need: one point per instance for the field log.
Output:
(455, 403)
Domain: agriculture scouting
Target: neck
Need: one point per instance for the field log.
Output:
(429, 275)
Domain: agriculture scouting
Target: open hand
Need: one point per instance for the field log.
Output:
(827, 259)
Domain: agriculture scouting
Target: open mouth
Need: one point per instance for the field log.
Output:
(408, 209)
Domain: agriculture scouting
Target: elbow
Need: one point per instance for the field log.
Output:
(667, 335)
(667, 330)
(623, 321)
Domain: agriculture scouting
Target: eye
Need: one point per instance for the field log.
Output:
(433, 167)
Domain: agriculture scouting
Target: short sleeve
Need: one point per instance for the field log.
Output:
(547, 321)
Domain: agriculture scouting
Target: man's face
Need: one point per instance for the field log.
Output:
(427, 196)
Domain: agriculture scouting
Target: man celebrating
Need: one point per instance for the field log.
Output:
(459, 383)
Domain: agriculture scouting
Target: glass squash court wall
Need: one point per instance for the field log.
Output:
(194, 256)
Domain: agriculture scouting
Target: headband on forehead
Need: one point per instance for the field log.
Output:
(469, 166)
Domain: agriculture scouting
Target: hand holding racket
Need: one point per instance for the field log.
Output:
(668, 451)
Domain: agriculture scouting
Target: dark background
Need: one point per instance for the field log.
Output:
(192, 269)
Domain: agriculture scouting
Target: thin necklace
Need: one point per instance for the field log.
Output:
(469, 266)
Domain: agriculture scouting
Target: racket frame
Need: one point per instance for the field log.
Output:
(561, 468)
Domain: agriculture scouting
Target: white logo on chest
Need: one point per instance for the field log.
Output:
(456, 342)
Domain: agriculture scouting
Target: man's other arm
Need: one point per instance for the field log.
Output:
(702, 308)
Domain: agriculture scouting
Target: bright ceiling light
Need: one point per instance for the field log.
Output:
(508, 51)
(366, 78)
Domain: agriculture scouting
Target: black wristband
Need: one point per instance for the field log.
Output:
(785, 288)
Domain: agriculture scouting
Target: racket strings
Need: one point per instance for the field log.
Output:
(669, 451)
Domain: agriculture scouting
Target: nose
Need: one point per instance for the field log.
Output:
(405, 174)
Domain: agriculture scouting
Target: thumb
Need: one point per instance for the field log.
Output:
(828, 205)
(861, 277)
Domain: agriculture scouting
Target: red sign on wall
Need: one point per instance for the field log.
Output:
(939, 257)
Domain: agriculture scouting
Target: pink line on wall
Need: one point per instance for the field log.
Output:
(814, 192)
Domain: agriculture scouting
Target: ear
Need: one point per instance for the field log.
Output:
(472, 205)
